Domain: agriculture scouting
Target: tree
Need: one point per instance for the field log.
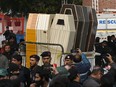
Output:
(77, 2)
(14, 7)
(23, 7)
(46, 6)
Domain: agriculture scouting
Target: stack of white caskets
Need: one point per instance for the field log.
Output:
(53, 29)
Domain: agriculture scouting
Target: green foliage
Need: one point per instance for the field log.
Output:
(23, 7)
(77, 2)
(14, 7)
(46, 6)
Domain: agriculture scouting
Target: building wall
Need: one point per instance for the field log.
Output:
(102, 4)
(87, 2)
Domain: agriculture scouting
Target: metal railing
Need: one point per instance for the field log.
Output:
(52, 44)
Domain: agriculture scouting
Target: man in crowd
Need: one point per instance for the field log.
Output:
(34, 60)
(3, 73)
(82, 64)
(68, 60)
(109, 77)
(74, 77)
(95, 77)
(3, 61)
(7, 33)
(24, 72)
(7, 52)
(46, 59)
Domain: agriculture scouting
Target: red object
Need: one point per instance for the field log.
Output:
(14, 23)
(54, 65)
(9, 23)
(1, 50)
(17, 23)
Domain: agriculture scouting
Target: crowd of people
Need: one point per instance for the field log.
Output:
(105, 47)
(75, 72)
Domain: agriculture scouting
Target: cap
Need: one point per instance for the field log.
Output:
(3, 72)
(46, 53)
(35, 56)
(69, 56)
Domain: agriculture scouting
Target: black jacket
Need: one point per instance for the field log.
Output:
(109, 79)
(75, 84)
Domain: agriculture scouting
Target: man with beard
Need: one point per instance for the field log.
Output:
(47, 66)
(46, 58)
(14, 75)
(7, 52)
(34, 59)
(39, 80)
